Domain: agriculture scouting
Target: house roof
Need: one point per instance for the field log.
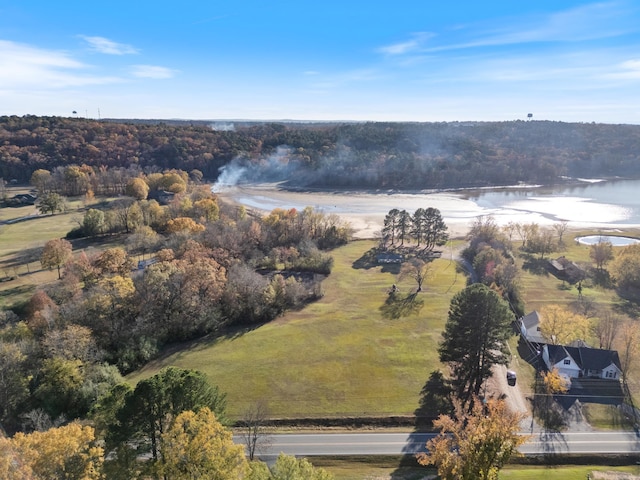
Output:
(586, 358)
(531, 323)
(531, 320)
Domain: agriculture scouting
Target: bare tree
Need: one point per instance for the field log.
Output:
(561, 228)
(254, 428)
(417, 269)
(606, 329)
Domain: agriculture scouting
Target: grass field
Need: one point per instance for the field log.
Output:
(20, 269)
(337, 357)
(396, 468)
(341, 356)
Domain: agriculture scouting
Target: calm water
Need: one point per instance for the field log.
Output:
(614, 204)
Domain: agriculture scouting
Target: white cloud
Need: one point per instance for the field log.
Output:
(24, 66)
(627, 70)
(108, 47)
(405, 47)
(152, 71)
(586, 22)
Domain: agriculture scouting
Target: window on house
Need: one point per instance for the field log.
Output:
(567, 361)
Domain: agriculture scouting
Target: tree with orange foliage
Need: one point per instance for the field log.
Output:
(474, 444)
(55, 253)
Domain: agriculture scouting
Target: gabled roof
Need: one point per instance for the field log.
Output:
(586, 358)
(557, 353)
(531, 323)
(531, 320)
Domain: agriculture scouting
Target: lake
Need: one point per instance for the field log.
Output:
(588, 204)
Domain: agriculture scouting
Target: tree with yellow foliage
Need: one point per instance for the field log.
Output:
(474, 444)
(560, 326)
(68, 452)
(184, 224)
(554, 382)
(198, 446)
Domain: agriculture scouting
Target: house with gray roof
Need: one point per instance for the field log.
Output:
(530, 327)
(582, 362)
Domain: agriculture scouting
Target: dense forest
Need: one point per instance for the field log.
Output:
(325, 155)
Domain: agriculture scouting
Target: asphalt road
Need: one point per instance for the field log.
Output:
(336, 444)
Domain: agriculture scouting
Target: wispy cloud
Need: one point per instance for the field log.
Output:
(627, 70)
(152, 71)
(108, 47)
(24, 66)
(416, 43)
(587, 22)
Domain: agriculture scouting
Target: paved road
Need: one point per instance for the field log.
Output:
(411, 443)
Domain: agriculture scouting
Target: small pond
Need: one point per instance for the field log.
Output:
(614, 240)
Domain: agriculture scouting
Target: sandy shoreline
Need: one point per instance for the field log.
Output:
(366, 211)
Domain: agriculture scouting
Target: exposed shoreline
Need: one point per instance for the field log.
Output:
(366, 210)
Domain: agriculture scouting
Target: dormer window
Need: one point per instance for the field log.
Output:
(567, 361)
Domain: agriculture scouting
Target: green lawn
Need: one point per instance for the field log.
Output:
(397, 468)
(337, 357)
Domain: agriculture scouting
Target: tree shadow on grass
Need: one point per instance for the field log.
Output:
(534, 265)
(370, 260)
(435, 400)
(398, 306)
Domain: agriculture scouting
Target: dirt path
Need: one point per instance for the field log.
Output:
(514, 397)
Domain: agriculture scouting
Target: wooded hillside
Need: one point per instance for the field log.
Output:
(356, 155)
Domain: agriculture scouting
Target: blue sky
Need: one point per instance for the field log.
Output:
(399, 60)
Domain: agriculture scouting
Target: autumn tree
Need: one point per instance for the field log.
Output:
(137, 188)
(561, 326)
(125, 214)
(474, 444)
(475, 337)
(41, 180)
(113, 261)
(184, 224)
(143, 240)
(67, 452)
(55, 253)
(196, 445)
(287, 467)
(51, 203)
(93, 222)
(554, 383)
(625, 268)
(150, 410)
(541, 241)
(601, 253)
(206, 209)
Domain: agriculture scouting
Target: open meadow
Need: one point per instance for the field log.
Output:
(340, 356)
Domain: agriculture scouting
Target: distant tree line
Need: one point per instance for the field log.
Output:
(361, 155)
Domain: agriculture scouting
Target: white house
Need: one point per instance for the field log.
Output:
(577, 362)
(530, 327)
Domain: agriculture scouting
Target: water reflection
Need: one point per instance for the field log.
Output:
(599, 205)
